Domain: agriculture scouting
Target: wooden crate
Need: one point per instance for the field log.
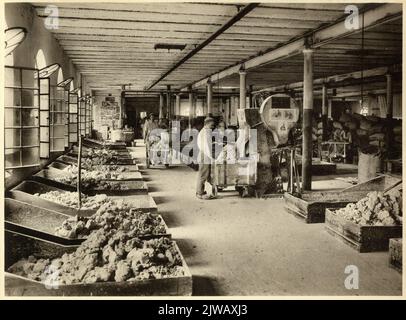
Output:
(361, 238)
(395, 253)
(311, 206)
(19, 246)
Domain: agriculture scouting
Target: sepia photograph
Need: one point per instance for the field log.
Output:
(202, 149)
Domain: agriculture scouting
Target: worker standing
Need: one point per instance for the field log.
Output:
(150, 126)
(205, 145)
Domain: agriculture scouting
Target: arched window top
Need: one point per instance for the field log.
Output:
(71, 86)
(40, 61)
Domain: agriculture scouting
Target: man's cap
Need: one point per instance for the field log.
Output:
(208, 119)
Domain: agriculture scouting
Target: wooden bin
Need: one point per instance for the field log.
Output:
(395, 253)
(361, 238)
(19, 246)
(311, 206)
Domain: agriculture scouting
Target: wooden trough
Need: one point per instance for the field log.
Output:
(311, 206)
(18, 246)
(359, 237)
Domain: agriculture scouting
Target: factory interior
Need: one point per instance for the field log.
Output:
(98, 204)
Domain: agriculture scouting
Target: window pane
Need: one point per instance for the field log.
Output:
(28, 79)
(73, 127)
(58, 144)
(73, 118)
(12, 117)
(44, 150)
(44, 102)
(73, 108)
(44, 134)
(12, 137)
(30, 156)
(12, 158)
(58, 131)
(30, 117)
(30, 137)
(12, 97)
(44, 86)
(58, 118)
(73, 137)
(28, 99)
(12, 77)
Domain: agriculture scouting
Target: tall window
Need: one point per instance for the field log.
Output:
(89, 102)
(73, 118)
(21, 118)
(57, 118)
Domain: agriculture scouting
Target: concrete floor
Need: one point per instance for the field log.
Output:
(249, 246)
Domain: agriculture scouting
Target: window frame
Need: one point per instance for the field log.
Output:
(21, 127)
(71, 116)
(47, 125)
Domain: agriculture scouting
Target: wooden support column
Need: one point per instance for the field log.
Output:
(324, 111)
(177, 105)
(168, 102)
(251, 89)
(307, 152)
(389, 96)
(209, 97)
(329, 108)
(389, 115)
(161, 105)
(191, 111)
(243, 89)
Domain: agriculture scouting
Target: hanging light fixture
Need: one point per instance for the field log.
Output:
(13, 38)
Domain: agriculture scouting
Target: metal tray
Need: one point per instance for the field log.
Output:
(35, 221)
(18, 246)
(25, 192)
(126, 175)
(59, 164)
(49, 176)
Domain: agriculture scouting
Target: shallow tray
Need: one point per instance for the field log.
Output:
(25, 192)
(49, 176)
(18, 246)
(35, 221)
(58, 164)
(126, 175)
